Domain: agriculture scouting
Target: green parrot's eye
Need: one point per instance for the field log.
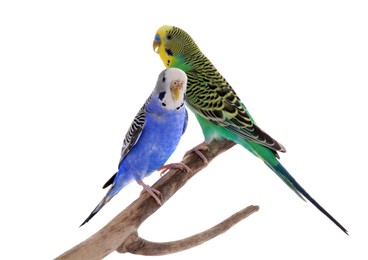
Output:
(169, 37)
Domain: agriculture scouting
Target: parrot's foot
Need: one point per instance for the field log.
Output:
(170, 166)
(151, 191)
(197, 150)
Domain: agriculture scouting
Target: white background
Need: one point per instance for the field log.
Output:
(73, 74)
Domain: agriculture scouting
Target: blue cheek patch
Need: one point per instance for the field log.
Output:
(169, 52)
(161, 95)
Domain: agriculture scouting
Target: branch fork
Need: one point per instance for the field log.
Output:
(121, 233)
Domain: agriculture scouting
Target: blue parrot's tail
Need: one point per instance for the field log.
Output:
(106, 199)
(295, 186)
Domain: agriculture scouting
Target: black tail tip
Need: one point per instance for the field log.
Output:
(84, 222)
(345, 231)
(89, 217)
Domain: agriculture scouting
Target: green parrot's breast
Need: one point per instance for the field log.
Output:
(180, 63)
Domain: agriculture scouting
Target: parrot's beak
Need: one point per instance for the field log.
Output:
(176, 88)
(156, 43)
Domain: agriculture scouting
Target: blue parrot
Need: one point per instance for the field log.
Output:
(152, 137)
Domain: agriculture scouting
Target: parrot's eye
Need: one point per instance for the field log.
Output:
(169, 37)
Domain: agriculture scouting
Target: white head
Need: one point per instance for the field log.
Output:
(170, 88)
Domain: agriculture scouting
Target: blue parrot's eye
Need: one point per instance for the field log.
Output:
(169, 37)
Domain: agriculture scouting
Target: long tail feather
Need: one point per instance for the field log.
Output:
(295, 186)
(106, 199)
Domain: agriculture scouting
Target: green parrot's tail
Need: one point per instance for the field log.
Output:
(269, 158)
(280, 170)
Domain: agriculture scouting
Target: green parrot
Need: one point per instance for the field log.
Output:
(218, 109)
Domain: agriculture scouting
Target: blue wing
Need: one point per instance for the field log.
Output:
(131, 138)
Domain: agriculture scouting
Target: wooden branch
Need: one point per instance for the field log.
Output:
(121, 232)
(139, 246)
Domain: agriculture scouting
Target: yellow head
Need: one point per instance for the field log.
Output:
(174, 46)
(159, 44)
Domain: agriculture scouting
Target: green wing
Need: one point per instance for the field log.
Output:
(214, 99)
